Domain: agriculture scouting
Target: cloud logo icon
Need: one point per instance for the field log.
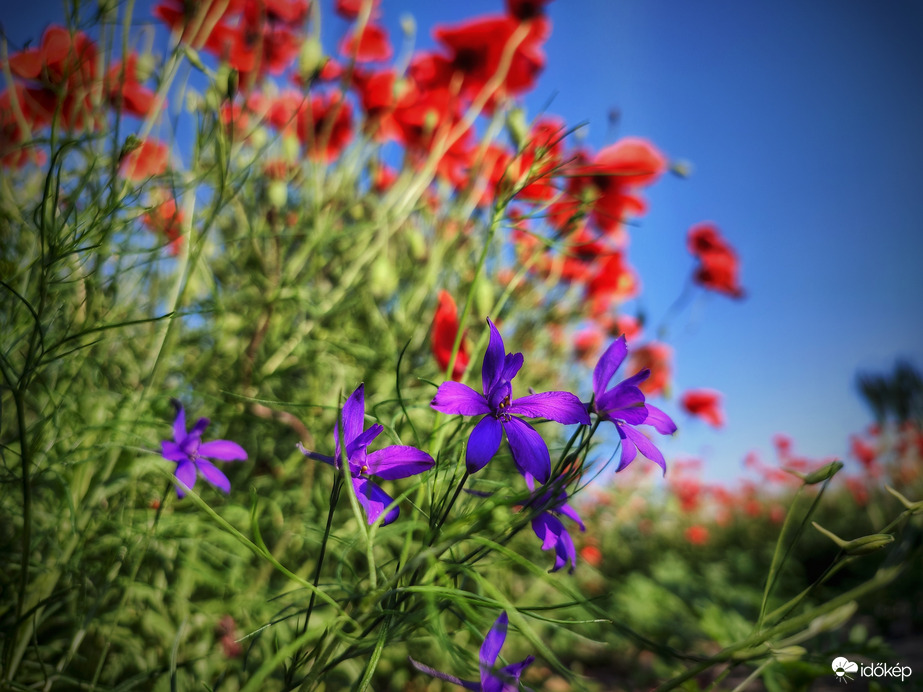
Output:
(841, 666)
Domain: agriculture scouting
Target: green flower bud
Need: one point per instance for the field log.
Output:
(417, 243)
(311, 58)
(858, 546)
(834, 619)
(384, 278)
(517, 126)
(277, 193)
(912, 507)
(192, 55)
(789, 653)
(484, 298)
(408, 25)
(820, 475)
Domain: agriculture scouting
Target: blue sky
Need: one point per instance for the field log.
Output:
(803, 124)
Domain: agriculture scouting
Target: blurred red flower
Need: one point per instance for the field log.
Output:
(166, 219)
(445, 329)
(718, 264)
(146, 160)
(704, 403)
(371, 46)
(655, 356)
(697, 534)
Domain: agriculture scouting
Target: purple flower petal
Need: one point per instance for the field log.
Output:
(637, 378)
(374, 500)
(398, 461)
(172, 451)
(571, 513)
(483, 443)
(354, 415)
(529, 449)
(554, 535)
(646, 447)
(629, 451)
(198, 428)
(512, 364)
(225, 450)
(179, 423)
(185, 473)
(661, 421)
(494, 358)
(513, 671)
(213, 475)
(458, 398)
(619, 397)
(443, 676)
(608, 363)
(562, 407)
(493, 642)
(355, 449)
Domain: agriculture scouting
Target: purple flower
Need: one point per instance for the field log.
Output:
(189, 453)
(551, 530)
(529, 450)
(625, 406)
(396, 461)
(504, 679)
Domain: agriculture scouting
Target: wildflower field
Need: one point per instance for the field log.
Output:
(322, 369)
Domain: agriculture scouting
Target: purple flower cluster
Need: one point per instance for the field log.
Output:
(190, 454)
(390, 463)
(623, 405)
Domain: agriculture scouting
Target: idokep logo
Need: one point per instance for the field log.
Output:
(842, 667)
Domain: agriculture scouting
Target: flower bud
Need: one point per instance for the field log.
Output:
(484, 297)
(912, 507)
(789, 653)
(834, 619)
(858, 546)
(820, 475)
(311, 58)
(408, 25)
(277, 193)
(383, 277)
(517, 126)
(192, 55)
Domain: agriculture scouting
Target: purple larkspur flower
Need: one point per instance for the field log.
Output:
(551, 529)
(396, 461)
(502, 413)
(493, 679)
(191, 454)
(624, 405)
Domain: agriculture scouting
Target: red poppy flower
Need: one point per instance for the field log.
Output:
(146, 160)
(614, 281)
(718, 264)
(14, 149)
(656, 357)
(372, 46)
(696, 535)
(166, 219)
(587, 343)
(125, 92)
(196, 20)
(324, 128)
(704, 403)
(63, 72)
(605, 185)
(349, 9)
(445, 329)
(477, 46)
(376, 94)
